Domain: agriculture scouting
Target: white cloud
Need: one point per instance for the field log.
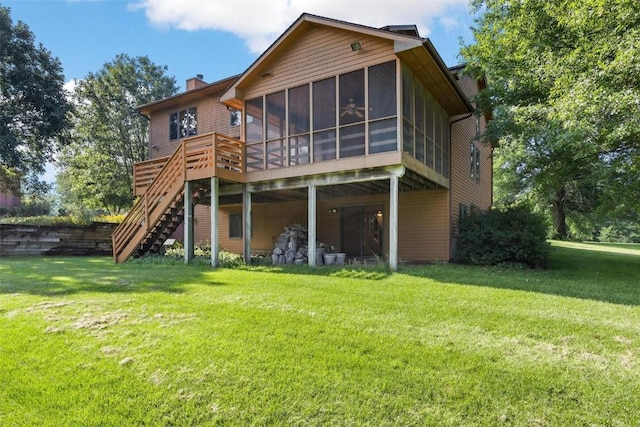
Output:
(259, 23)
(70, 86)
(449, 23)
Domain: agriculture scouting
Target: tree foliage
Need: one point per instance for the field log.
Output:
(564, 88)
(109, 136)
(33, 106)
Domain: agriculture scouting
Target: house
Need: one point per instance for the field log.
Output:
(9, 200)
(360, 134)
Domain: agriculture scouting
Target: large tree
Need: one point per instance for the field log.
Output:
(109, 136)
(33, 106)
(564, 86)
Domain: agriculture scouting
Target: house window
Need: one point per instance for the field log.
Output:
(275, 130)
(383, 134)
(474, 162)
(425, 134)
(352, 114)
(349, 115)
(183, 124)
(463, 210)
(299, 125)
(235, 117)
(235, 225)
(253, 134)
(324, 120)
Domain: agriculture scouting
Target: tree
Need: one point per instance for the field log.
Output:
(109, 136)
(33, 105)
(564, 88)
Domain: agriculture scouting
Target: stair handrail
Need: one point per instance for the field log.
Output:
(133, 221)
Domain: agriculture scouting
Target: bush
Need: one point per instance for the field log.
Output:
(620, 231)
(503, 236)
(225, 259)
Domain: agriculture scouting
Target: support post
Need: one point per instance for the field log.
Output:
(214, 222)
(246, 222)
(311, 227)
(393, 223)
(188, 222)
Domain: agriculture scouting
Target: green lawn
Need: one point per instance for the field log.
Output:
(84, 342)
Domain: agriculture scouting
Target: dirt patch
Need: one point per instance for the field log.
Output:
(99, 321)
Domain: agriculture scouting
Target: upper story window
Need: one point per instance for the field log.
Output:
(183, 124)
(235, 117)
(474, 162)
(425, 130)
(349, 115)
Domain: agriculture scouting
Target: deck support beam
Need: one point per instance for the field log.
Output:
(311, 227)
(246, 222)
(393, 223)
(214, 222)
(188, 222)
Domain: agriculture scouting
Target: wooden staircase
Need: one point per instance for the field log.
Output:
(160, 184)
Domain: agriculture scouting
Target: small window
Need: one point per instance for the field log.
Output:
(463, 210)
(235, 117)
(183, 124)
(474, 162)
(235, 225)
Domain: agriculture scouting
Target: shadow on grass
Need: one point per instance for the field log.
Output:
(364, 272)
(72, 275)
(573, 272)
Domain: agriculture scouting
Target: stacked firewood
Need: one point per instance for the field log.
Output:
(292, 247)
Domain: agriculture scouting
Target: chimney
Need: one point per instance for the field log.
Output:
(196, 82)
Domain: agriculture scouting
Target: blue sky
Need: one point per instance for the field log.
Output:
(215, 38)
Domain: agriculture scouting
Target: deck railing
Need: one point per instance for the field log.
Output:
(160, 183)
(200, 152)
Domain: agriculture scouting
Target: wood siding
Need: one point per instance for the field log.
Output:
(464, 189)
(423, 218)
(211, 115)
(423, 223)
(427, 219)
(319, 53)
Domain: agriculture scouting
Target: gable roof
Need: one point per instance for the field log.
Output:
(417, 52)
(211, 89)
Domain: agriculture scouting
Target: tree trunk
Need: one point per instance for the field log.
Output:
(559, 215)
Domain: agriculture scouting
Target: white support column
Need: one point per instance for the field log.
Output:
(311, 227)
(188, 222)
(214, 222)
(393, 223)
(246, 222)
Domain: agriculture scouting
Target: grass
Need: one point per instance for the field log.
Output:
(86, 342)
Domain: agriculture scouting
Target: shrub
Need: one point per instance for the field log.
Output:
(225, 259)
(499, 236)
(620, 231)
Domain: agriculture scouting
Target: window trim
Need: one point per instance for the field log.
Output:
(180, 126)
(237, 216)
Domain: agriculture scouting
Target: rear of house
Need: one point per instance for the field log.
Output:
(360, 135)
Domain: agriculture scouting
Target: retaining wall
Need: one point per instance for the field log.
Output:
(94, 239)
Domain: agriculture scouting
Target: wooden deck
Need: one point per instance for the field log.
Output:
(199, 153)
(160, 185)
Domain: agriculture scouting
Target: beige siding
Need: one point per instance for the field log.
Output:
(423, 233)
(202, 224)
(423, 223)
(269, 220)
(212, 117)
(464, 189)
(319, 53)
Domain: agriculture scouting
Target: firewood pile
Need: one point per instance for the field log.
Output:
(292, 247)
